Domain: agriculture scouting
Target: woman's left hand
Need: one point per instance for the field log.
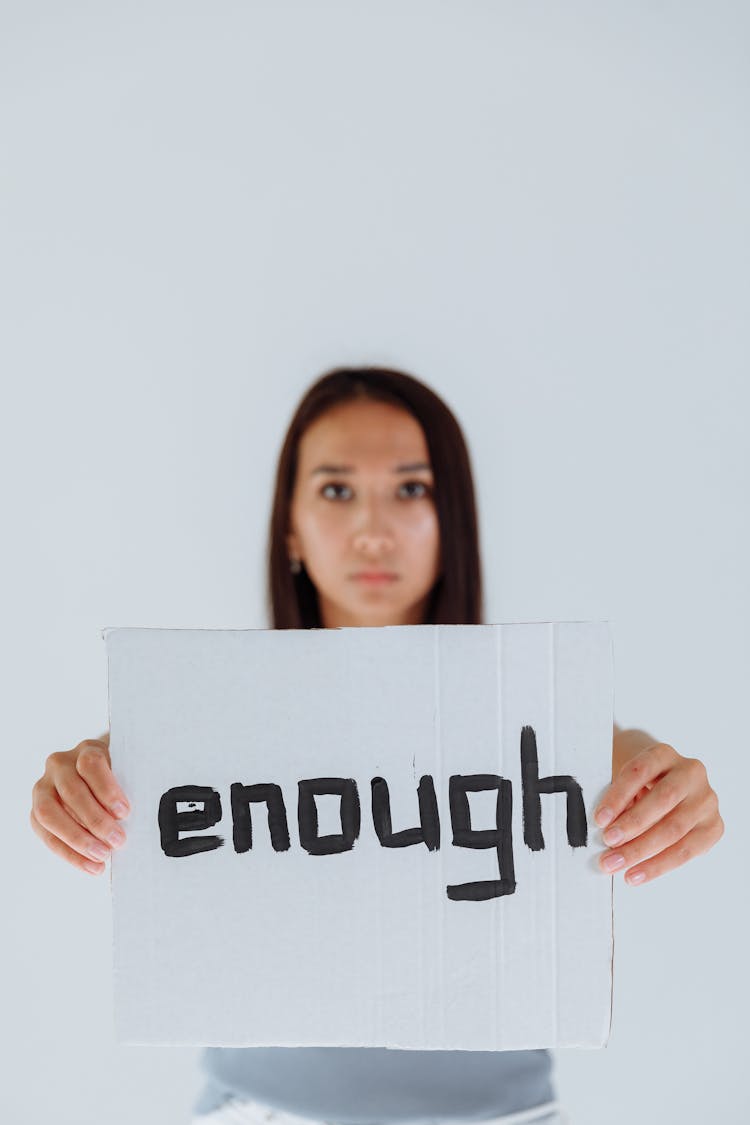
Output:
(665, 811)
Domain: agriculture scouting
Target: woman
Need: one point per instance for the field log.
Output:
(374, 523)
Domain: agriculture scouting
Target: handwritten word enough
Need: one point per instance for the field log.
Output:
(173, 821)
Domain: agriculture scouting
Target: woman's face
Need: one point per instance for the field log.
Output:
(363, 502)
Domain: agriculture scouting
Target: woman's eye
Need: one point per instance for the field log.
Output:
(407, 484)
(420, 484)
(327, 486)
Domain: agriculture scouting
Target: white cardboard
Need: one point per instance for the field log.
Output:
(362, 947)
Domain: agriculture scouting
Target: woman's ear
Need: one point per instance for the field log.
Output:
(292, 546)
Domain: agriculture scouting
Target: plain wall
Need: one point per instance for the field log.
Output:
(541, 210)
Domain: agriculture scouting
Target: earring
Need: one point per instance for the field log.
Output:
(295, 565)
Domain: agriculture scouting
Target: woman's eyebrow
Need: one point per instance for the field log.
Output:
(412, 468)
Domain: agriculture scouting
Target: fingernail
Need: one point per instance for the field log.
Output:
(98, 851)
(92, 868)
(634, 880)
(603, 816)
(119, 809)
(116, 838)
(614, 836)
(612, 862)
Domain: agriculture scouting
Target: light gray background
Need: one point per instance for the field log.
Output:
(538, 208)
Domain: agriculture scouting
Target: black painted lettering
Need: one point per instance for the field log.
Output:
(172, 822)
(500, 837)
(307, 814)
(533, 785)
(429, 831)
(242, 797)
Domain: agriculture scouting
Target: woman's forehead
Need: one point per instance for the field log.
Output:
(380, 436)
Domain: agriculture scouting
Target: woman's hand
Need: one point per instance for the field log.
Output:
(664, 810)
(76, 805)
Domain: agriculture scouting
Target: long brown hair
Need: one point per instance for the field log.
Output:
(457, 594)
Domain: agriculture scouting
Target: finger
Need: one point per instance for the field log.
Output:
(672, 828)
(652, 806)
(695, 843)
(49, 814)
(78, 801)
(93, 766)
(56, 845)
(643, 768)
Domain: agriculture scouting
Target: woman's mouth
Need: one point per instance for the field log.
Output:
(375, 576)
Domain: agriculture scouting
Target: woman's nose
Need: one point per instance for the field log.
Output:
(373, 541)
(373, 532)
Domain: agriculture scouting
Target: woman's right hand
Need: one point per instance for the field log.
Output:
(76, 805)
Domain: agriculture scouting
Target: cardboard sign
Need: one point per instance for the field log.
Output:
(372, 837)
